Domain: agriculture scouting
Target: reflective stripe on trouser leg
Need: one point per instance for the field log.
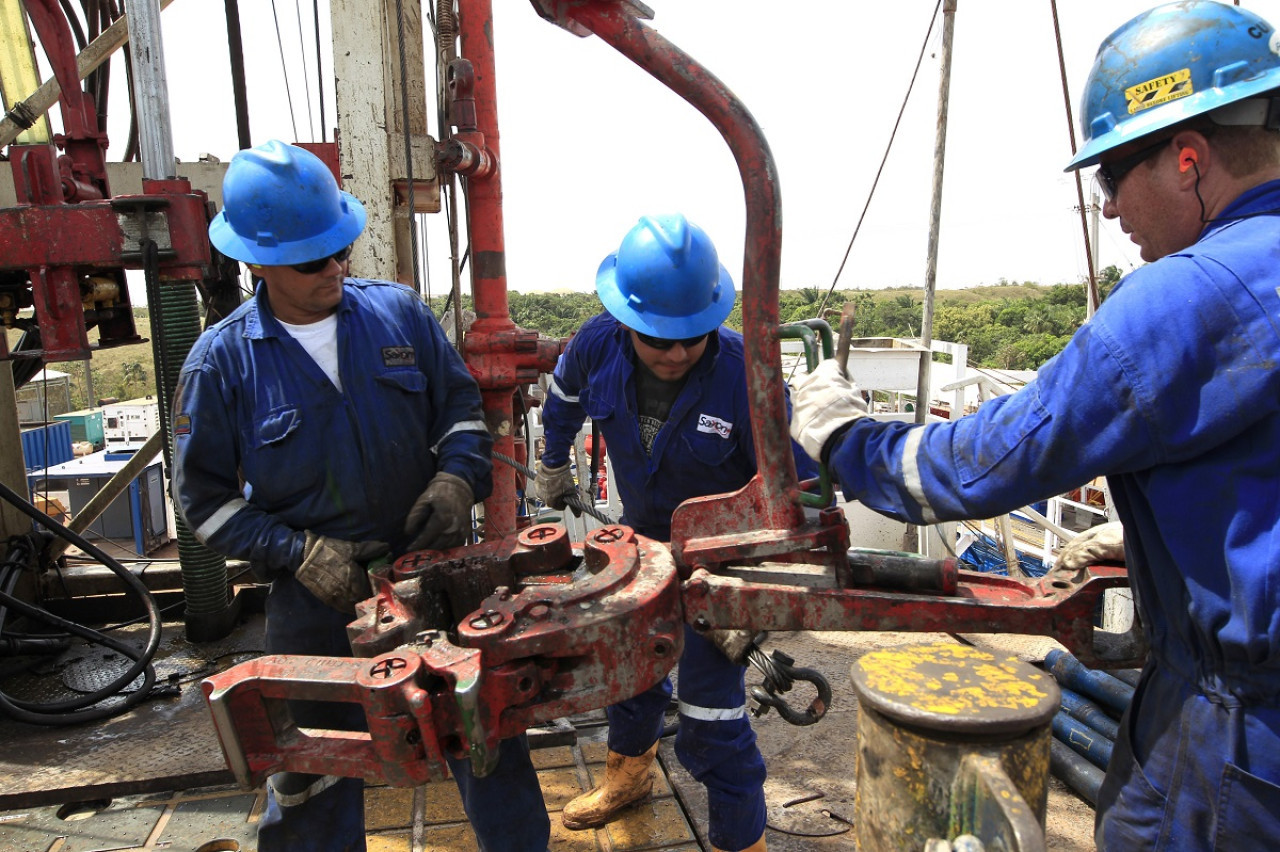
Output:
(328, 815)
(716, 744)
(505, 807)
(636, 724)
(314, 812)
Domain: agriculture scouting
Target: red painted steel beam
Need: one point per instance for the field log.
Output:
(768, 508)
(500, 356)
(982, 603)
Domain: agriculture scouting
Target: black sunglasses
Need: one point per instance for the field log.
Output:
(664, 344)
(311, 267)
(1110, 174)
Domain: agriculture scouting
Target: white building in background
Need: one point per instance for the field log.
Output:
(130, 422)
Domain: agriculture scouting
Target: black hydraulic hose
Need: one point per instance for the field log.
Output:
(20, 551)
(68, 712)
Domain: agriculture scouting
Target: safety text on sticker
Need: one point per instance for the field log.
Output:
(1161, 90)
(714, 425)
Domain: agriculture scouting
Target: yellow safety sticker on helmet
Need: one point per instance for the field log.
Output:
(1161, 90)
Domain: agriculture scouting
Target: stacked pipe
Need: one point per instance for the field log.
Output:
(1085, 728)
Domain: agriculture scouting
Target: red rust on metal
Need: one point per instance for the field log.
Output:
(982, 603)
(528, 654)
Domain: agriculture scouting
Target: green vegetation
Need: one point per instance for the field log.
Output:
(1008, 326)
(123, 372)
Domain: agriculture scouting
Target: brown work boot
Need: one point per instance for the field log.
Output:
(627, 780)
(758, 846)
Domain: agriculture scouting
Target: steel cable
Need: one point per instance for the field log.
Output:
(574, 501)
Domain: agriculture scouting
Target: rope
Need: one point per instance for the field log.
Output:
(574, 500)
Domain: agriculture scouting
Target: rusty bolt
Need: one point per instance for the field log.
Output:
(541, 531)
(387, 668)
(608, 535)
(487, 620)
(539, 611)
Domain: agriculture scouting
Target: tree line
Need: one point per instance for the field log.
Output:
(1007, 326)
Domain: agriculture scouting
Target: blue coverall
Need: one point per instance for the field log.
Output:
(266, 447)
(1173, 391)
(705, 447)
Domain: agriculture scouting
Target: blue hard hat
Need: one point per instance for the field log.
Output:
(666, 280)
(1172, 63)
(281, 205)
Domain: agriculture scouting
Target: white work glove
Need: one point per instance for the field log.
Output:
(441, 516)
(1103, 543)
(821, 403)
(554, 484)
(333, 569)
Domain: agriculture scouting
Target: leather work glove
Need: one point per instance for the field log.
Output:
(554, 484)
(1103, 543)
(734, 643)
(821, 403)
(333, 569)
(441, 517)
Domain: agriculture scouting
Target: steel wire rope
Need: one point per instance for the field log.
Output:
(302, 49)
(1091, 291)
(70, 712)
(883, 160)
(574, 501)
(408, 150)
(315, 17)
(284, 70)
(444, 29)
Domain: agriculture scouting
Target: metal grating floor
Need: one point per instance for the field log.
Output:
(224, 819)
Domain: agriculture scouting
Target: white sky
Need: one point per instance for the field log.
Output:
(590, 142)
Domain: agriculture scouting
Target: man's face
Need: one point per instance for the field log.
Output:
(1159, 216)
(302, 298)
(668, 364)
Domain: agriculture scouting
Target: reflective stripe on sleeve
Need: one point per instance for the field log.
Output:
(911, 473)
(559, 393)
(460, 426)
(465, 426)
(712, 714)
(219, 518)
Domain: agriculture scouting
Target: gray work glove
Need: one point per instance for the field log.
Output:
(733, 643)
(333, 569)
(441, 517)
(554, 484)
(821, 403)
(1103, 543)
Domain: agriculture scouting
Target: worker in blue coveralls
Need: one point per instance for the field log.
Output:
(324, 422)
(1173, 391)
(666, 384)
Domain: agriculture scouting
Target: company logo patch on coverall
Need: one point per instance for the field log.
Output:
(714, 425)
(398, 356)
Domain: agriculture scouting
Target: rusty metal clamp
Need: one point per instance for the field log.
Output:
(780, 674)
